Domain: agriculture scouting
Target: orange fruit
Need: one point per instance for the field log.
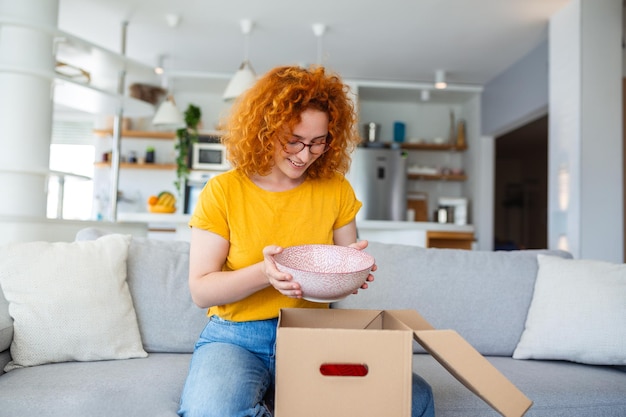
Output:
(152, 200)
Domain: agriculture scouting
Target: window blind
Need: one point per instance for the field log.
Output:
(67, 132)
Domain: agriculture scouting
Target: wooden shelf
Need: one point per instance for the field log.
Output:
(138, 134)
(437, 177)
(432, 147)
(127, 165)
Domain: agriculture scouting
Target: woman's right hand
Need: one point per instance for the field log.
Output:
(282, 281)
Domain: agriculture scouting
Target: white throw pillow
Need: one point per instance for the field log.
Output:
(69, 301)
(578, 313)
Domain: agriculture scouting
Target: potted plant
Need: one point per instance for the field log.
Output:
(186, 137)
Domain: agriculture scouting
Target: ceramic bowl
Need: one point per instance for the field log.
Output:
(326, 273)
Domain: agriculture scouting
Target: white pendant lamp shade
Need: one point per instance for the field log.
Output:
(168, 116)
(243, 79)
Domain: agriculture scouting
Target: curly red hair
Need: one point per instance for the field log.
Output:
(273, 106)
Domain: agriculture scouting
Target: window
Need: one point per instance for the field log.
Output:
(72, 155)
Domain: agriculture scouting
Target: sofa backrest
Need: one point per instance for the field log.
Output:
(482, 295)
(157, 277)
(158, 274)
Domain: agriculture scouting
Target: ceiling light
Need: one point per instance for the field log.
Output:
(168, 116)
(173, 20)
(425, 95)
(245, 76)
(440, 79)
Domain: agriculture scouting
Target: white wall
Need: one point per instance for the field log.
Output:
(518, 95)
(585, 146)
(583, 85)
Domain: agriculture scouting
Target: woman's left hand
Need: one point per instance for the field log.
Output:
(360, 245)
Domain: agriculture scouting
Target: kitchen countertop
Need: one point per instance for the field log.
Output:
(404, 232)
(404, 225)
(176, 218)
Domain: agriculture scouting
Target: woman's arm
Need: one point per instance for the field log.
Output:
(345, 235)
(210, 286)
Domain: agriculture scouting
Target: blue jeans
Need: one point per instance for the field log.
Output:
(232, 370)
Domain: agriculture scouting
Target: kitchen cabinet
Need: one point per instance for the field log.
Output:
(449, 239)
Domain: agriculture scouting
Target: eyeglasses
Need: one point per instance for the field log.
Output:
(316, 148)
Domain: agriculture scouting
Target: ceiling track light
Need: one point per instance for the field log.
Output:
(160, 69)
(318, 30)
(245, 77)
(440, 79)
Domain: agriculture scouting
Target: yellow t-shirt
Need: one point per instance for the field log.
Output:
(251, 218)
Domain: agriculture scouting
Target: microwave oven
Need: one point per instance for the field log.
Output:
(209, 157)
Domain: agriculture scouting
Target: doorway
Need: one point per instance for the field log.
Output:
(521, 187)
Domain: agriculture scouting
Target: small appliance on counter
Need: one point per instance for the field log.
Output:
(452, 210)
(209, 154)
(195, 183)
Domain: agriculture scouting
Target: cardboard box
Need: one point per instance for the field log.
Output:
(310, 342)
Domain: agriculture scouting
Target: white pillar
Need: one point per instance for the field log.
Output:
(585, 133)
(26, 103)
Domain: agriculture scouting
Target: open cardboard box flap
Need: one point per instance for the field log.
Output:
(466, 364)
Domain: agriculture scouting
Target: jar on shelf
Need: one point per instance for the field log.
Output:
(150, 157)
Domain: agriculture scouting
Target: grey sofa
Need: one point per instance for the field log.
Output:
(483, 295)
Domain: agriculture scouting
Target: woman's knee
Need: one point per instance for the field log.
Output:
(423, 400)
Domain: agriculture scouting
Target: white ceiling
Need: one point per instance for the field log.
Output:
(393, 40)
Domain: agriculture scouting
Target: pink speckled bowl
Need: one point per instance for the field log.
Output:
(326, 273)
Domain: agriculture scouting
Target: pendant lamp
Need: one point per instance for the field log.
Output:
(245, 77)
(168, 116)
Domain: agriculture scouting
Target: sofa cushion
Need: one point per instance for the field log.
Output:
(158, 272)
(147, 387)
(557, 388)
(69, 301)
(578, 313)
(482, 295)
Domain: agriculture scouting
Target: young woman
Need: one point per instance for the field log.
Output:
(289, 140)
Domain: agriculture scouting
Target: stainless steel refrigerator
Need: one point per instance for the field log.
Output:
(378, 176)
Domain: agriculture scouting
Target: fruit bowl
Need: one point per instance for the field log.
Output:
(165, 202)
(161, 209)
(326, 273)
